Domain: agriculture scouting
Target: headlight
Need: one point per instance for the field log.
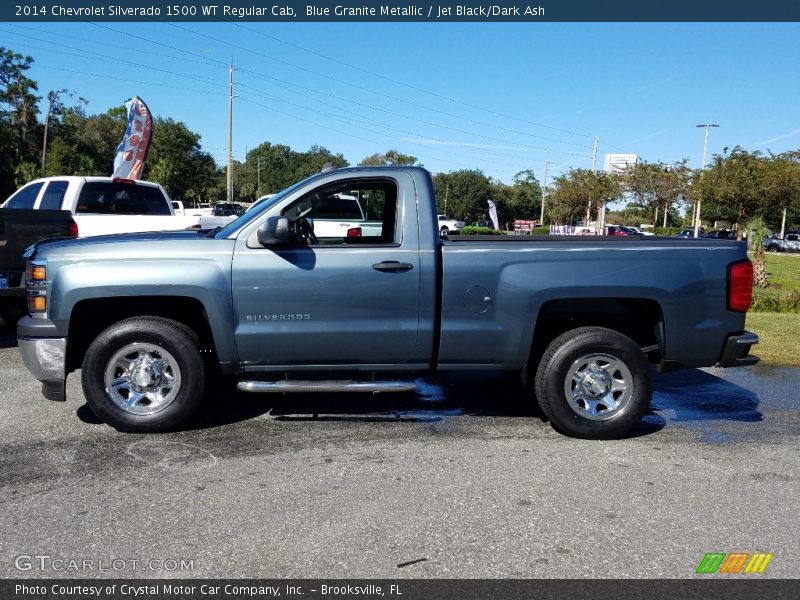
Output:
(36, 284)
(36, 273)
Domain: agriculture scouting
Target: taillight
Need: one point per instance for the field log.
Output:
(195, 226)
(72, 230)
(354, 232)
(740, 286)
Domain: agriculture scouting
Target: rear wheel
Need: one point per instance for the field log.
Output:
(144, 374)
(444, 231)
(594, 383)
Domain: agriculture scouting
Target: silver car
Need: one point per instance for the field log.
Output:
(790, 243)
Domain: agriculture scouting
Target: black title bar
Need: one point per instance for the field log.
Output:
(372, 11)
(707, 588)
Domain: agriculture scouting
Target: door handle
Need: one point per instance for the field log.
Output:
(390, 266)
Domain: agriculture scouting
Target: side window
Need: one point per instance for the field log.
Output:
(26, 197)
(156, 203)
(106, 198)
(351, 212)
(54, 195)
(792, 238)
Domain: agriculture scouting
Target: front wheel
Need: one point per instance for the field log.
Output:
(594, 383)
(144, 374)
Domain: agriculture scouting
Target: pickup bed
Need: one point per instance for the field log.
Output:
(19, 228)
(105, 205)
(149, 318)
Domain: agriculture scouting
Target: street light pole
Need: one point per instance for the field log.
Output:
(702, 167)
(53, 98)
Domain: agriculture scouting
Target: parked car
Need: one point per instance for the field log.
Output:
(790, 243)
(449, 226)
(19, 228)
(722, 234)
(273, 302)
(103, 205)
(638, 230)
(227, 209)
(689, 233)
(617, 230)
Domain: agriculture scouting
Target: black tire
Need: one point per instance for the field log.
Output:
(166, 352)
(601, 368)
(444, 231)
(774, 248)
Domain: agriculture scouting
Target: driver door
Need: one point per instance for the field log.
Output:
(349, 295)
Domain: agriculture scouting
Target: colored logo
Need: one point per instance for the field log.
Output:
(735, 562)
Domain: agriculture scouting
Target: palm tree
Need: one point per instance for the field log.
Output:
(757, 231)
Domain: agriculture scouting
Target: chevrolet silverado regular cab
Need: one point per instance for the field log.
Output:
(150, 318)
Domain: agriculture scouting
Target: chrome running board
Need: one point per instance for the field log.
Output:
(287, 386)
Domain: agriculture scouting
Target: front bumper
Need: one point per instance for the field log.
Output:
(45, 358)
(736, 351)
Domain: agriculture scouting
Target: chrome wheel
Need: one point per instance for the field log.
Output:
(598, 386)
(142, 378)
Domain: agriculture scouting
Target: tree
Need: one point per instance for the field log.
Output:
(18, 112)
(737, 183)
(390, 157)
(783, 187)
(573, 192)
(176, 161)
(271, 168)
(656, 187)
(525, 200)
(463, 194)
(757, 231)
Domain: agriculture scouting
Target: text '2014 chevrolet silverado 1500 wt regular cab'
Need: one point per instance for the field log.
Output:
(148, 318)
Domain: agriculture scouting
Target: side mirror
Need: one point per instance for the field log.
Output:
(275, 232)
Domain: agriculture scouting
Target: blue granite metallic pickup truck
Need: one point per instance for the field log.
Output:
(151, 318)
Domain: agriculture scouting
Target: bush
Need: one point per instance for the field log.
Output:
(669, 230)
(770, 302)
(470, 230)
(542, 230)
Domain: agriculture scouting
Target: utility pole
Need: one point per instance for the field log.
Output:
(258, 179)
(783, 223)
(544, 193)
(53, 98)
(702, 167)
(230, 133)
(594, 170)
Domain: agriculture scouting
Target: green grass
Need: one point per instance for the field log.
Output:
(784, 270)
(778, 337)
(784, 281)
(778, 330)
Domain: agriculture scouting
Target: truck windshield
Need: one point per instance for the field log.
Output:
(253, 213)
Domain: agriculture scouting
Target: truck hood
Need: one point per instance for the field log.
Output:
(118, 238)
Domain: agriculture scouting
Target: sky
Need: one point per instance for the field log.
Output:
(499, 97)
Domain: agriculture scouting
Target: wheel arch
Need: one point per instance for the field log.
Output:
(640, 319)
(91, 317)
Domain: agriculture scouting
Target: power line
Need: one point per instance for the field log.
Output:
(408, 85)
(353, 85)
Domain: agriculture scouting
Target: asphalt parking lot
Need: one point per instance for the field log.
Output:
(461, 480)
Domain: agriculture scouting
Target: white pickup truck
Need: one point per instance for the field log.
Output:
(104, 205)
(338, 215)
(448, 225)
